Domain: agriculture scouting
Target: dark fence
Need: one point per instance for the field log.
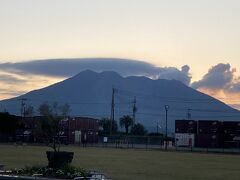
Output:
(132, 141)
(154, 142)
(209, 150)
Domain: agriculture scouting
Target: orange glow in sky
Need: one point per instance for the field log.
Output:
(197, 33)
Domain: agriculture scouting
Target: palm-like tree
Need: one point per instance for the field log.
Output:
(126, 122)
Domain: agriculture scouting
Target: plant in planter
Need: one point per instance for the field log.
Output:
(49, 130)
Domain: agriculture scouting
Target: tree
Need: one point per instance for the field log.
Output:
(65, 109)
(105, 124)
(49, 126)
(8, 123)
(29, 111)
(138, 129)
(126, 122)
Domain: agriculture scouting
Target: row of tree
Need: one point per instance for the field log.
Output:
(108, 126)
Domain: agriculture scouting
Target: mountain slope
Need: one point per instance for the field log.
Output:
(89, 94)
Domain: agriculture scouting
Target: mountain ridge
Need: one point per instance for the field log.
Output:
(89, 94)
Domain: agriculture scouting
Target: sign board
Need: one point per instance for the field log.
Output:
(77, 138)
(184, 139)
(105, 139)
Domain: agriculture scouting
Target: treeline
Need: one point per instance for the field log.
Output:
(110, 127)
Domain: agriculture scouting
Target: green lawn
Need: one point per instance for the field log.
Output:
(132, 164)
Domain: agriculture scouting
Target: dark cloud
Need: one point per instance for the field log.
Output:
(234, 87)
(221, 76)
(10, 79)
(218, 77)
(70, 67)
(174, 73)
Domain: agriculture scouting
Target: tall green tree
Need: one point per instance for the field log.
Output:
(126, 122)
(138, 129)
(106, 124)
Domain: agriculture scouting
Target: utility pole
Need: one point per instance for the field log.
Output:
(23, 103)
(189, 113)
(134, 110)
(112, 110)
(23, 106)
(166, 109)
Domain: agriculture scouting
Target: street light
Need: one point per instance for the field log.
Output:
(166, 109)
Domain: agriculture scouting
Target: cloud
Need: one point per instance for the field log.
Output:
(236, 106)
(70, 67)
(218, 77)
(5, 78)
(234, 87)
(174, 73)
(11, 92)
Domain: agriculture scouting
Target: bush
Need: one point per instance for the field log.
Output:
(138, 129)
(67, 172)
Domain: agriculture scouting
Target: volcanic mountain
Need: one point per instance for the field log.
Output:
(90, 94)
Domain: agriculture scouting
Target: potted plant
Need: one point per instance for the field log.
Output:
(49, 129)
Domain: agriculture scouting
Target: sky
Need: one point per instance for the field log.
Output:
(196, 42)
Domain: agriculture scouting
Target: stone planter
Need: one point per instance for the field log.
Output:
(59, 159)
(7, 177)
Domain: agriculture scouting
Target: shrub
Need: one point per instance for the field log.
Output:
(67, 172)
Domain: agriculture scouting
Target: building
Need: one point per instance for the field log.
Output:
(73, 130)
(185, 131)
(81, 130)
(207, 133)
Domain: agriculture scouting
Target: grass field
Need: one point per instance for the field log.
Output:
(133, 164)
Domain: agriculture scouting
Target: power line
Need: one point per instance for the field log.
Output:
(118, 104)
